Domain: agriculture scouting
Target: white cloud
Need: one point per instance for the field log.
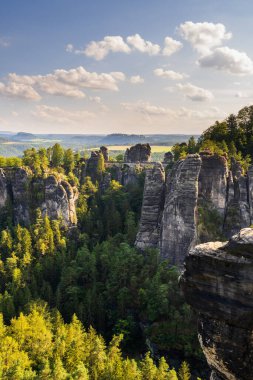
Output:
(229, 60)
(19, 90)
(148, 109)
(69, 83)
(136, 79)
(195, 93)
(171, 46)
(210, 113)
(138, 43)
(80, 77)
(203, 36)
(169, 74)
(116, 44)
(60, 115)
(100, 49)
(69, 48)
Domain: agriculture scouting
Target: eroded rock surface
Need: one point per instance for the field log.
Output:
(178, 231)
(204, 200)
(152, 207)
(218, 284)
(138, 153)
(59, 201)
(212, 181)
(21, 193)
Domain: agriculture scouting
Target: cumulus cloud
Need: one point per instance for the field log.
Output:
(171, 46)
(100, 49)
(60, 115)
(136, 79)
(195, 93)
(138, 43)
(69, 83)
(19, 90)
(204, 36)
(169, 74)
(229, 60)
(116, 44)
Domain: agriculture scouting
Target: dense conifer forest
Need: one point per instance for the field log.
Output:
(83, 302)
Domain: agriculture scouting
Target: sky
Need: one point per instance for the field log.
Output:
(133, 66)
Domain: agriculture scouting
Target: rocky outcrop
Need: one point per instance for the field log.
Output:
(20, 196)
(138, 153)
(204, 200)
(218, 284)
(152, 207)
(168, 158)
(178, 231)
(3, 189)
(21, 193)
(212, 181)
(250, 182)
(94, 166)
(238, 202)
(105, 153)
(59, 201)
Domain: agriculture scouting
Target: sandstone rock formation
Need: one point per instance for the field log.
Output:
(105, 153)
(138, 153)
(218, 284)
(178, 231)
(59, 201)
(152, 206)
(213, 181)
(22, 194)
(93, 167)
(168, 158)
(204, 200)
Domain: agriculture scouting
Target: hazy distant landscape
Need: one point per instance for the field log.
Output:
(13, 144)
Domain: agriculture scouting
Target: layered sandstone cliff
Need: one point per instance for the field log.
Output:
(21, 194)
(178, 230)
(152, 207)
(218, 284)
(204, 200)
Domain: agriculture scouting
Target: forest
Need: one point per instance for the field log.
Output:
(83, 302)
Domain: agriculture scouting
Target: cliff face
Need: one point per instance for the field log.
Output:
(152, 206)
(204, 200)
(22, 194)
(178, 232)
(218, 283)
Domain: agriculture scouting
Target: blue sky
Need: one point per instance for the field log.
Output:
(132, 66)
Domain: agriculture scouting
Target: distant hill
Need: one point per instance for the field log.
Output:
(23, 136)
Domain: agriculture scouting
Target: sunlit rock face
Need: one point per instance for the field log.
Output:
(59, 201)
(21, 193)
(218, 283)
(152, 207)
(205, 200)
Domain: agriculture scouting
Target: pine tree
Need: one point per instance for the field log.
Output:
(184, 372)
(57, 155)
(148, 368)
